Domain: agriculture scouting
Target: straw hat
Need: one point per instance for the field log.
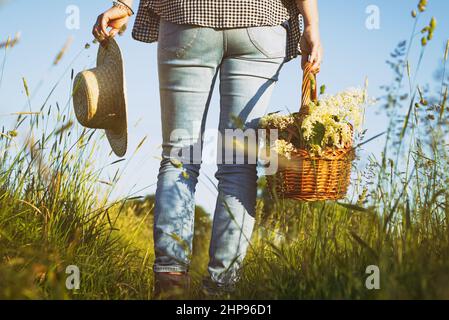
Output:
(99, 97)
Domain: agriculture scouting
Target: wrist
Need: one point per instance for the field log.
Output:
(124, 7)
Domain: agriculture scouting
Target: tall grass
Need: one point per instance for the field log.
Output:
(55, 211)
(400, 221)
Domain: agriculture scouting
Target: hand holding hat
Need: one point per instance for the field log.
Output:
(99, 97)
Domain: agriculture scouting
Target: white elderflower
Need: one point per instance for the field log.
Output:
(284, 148)
(331, 122)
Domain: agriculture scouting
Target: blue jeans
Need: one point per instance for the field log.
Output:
(248, 61)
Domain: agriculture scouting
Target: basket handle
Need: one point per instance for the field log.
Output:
(309, 89)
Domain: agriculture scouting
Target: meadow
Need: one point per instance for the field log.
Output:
(55, 210)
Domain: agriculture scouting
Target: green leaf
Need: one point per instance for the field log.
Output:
(322, 89)
(353, 207)
(363, 244)
(318, 134)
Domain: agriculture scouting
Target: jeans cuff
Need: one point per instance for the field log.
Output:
(173, 268)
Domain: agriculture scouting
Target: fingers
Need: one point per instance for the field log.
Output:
(313, 54)
(113, 32)
(99, 30)
(104, 26)
(305, 59)
(315, 58)
(96, 31)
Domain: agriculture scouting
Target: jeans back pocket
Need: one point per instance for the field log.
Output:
(175, 38)
(269, 40)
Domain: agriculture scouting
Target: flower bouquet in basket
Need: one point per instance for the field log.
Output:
(315, 145)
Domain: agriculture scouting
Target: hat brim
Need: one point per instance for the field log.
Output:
(118, 141)
(118, 138)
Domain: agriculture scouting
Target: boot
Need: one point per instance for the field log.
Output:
(171, 285)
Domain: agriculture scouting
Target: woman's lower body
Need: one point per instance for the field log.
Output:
(190, 58)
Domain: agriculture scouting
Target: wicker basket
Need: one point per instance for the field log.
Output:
(312, 178)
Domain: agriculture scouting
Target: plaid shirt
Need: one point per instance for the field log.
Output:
(220, 14)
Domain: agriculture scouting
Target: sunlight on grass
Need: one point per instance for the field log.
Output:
(55, 209)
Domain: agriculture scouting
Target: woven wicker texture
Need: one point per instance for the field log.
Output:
(312, 178)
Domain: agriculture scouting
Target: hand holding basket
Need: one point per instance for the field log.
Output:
(306, 176)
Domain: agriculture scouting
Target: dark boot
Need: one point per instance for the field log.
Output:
(213, 290)
(171, 286)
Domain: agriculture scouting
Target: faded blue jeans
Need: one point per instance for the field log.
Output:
(248, 61)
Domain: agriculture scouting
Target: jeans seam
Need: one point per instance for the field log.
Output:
(158, 269)
(225, 42)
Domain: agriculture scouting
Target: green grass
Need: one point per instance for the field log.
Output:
(55, 211)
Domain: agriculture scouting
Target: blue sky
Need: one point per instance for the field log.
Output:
(352, 52)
